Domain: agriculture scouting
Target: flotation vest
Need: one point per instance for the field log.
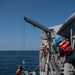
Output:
(65, 46)
(18, 72)
(44, 49)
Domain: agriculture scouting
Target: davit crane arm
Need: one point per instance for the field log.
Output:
(37, 25)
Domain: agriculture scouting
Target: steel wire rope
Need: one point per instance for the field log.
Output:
(24, 35)
(33, 64)
(23, 32)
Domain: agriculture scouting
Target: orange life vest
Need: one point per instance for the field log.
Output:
(65, 46)
(44, 50)
(18, 72)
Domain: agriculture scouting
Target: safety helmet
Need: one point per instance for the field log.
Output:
(58, 39)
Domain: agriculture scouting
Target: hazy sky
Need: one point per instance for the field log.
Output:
(45, 12)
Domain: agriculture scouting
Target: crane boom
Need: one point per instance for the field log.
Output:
(37, 24)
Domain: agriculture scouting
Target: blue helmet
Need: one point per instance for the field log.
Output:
(58, 39)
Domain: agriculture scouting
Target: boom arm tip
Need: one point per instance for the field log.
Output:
(25, 18)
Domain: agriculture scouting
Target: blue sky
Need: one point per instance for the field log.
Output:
(45, 12)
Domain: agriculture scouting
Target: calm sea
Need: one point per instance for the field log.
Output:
(9, 60)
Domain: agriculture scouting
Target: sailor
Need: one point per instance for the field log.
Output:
(18, 71)
(44, 49)
(66, 50)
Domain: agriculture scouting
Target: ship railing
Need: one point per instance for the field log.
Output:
(67, 71)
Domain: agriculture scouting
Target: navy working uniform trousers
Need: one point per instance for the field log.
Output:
(70, 57)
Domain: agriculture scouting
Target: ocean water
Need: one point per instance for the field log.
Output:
(9, 60)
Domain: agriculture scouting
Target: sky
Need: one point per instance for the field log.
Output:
(16, 34)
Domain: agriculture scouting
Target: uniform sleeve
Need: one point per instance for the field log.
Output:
(61, 52)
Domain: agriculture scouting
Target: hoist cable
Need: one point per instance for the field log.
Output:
(23, 35)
